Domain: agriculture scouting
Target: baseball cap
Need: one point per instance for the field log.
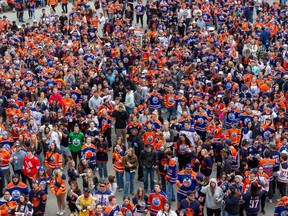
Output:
(190, 193)
(41, 168)
(228, 142)
(189, 166)
(35, 181)
(200, 177)
(253, 171)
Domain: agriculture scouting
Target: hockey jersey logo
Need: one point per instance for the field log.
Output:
(187, 182)
(76, 142)
(231, 116)
(266, 134)
(234, 135)
(16, 194)
(155, 100)
(150, 138)
(156, 201)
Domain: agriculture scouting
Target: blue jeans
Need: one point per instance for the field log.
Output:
(120, 180)
(170, 192)
(149, 171)
(111, 16)
(170, 112)
(50, 174)
(40, 157)
(21, 16)
(129, 110)
(102, 169)
(227, 214)
(129, 182)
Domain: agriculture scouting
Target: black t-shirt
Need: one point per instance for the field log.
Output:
(64, 141)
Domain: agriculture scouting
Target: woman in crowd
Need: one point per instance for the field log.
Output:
(52, 159)
(72, 194)
(24, 206)
(58, 188)
(140, 202)
(167, 211)
(90, 181)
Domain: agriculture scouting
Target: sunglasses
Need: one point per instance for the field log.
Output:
(102, 185)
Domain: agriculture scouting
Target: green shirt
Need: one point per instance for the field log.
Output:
(76, 141)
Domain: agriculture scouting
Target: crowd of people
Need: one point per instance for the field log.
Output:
(200, 86)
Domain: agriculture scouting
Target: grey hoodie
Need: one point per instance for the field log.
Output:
(210, 201)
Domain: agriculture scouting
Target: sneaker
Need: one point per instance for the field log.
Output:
(263, 211)
(62, 212)
(58, 213)
(120, 190)
(97, 169)
(132, 193)
(270, 201)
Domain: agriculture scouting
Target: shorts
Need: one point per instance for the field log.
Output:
(65, 150)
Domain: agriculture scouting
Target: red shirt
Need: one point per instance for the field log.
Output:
(31, 164)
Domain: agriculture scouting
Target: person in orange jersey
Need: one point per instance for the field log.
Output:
(234, 134)
(112, 207)
(127, 208)
(53, 4)
(52, 159)
(118, 166)
(4, 163)
(58, 188)
(7, 205)
(67, 102)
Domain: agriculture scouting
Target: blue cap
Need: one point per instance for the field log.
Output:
(234, 121)
(41, 168)
(200, 177)
(244, 87)
(189, 166)
(228, 142)
(57, 167)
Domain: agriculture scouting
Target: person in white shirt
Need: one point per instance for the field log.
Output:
(56, 135)
(95, 102)
(166, 211)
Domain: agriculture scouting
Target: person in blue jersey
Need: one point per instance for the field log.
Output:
(252, 200)
(171, 176)
(231, 200)
(88, 152)
(281, 207)
(102, 194)
(38, 198)
(190, 204)
(17, 187)
(139, 10)
(41, 176)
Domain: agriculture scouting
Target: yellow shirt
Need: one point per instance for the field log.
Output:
(85, 202)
